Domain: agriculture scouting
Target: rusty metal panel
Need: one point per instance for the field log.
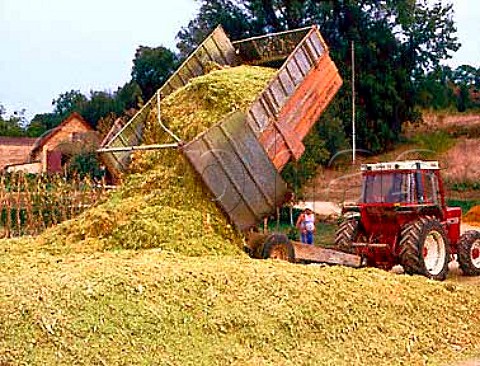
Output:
(305, 252)
(129, 135)
(270, 47)
(234, 166)
(302, 58)
(216, 48)
(293, 101)
(300, 112)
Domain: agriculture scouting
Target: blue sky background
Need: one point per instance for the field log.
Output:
(49, 47)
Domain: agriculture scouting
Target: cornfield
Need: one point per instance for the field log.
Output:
(31, 203)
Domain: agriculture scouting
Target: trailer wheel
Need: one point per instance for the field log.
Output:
(278, 246)
(346, 234)
(424, 249)
(469, 253)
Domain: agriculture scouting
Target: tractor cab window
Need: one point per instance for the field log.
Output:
(419, 187)
(384, 188)
(429, 183)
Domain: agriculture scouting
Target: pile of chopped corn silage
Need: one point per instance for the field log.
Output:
(145, 307)
(163, 204)
(473, 216)
(66, 300)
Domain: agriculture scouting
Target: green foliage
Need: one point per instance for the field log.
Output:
(463, 99)
(331, 130)
(128, 96)
(236, 21)
(152, 67)
(465, 205)
(94, 108)
(394, 43)
(465, 186)
(85, 164)
(429, 33)
(325, 140)
(69, 102)
(33, 202)
(444, 88)
(437, 142)
(435, 90)
(12, 125)
(42, 123)
(297, 173)
(466, 74)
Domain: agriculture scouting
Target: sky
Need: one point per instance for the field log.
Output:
(49, 47)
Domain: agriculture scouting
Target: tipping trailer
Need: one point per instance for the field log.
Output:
(240, 158)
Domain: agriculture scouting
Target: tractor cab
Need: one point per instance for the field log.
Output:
(409, 183)
(402, 218)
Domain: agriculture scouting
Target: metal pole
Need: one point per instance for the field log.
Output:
(175, 137)
(135, 148)
(354, 145)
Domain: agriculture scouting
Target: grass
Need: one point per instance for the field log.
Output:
(465, 205)
(436, 142)
(324, 236)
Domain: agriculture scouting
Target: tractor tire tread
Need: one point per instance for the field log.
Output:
(411, 244)
(275, 240)
(464, 253)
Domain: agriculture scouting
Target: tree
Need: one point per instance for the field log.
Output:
(128, 96)
(436, 89)
(152, 67)
(100, 104)
(69, 102)
(238, 22)
(12, 125)
(466, 74)
(428, 31)
(395, 42)
(42, 123)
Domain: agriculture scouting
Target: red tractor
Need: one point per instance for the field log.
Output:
(401, 218)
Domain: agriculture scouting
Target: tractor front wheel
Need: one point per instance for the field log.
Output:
(278, 246)
(469, 253)
(424, 249)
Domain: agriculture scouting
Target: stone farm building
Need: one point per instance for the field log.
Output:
(46, 153)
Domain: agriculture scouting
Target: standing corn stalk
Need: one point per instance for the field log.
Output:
(30, 204)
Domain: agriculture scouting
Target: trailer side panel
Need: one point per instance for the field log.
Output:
(238, 172)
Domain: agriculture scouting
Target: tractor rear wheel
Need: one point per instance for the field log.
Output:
(278, 246)
(424, 249)
(469, 253)
(346, 234)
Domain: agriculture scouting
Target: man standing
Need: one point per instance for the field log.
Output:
(306, 225)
